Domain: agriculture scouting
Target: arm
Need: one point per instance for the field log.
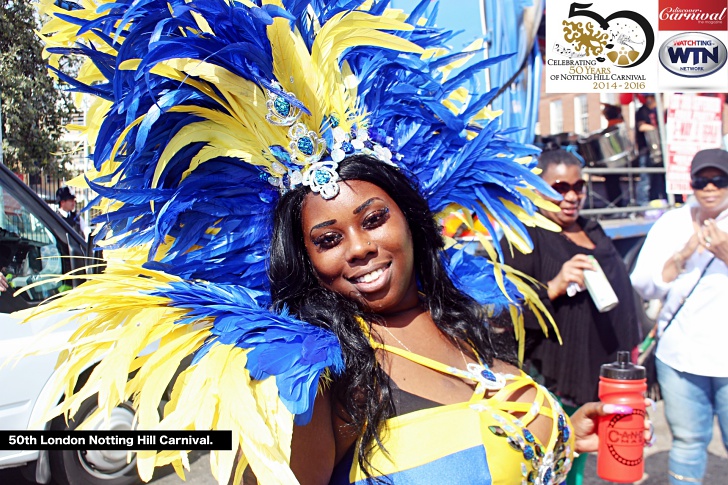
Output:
(642, 121)
(654, 258)
(313, 448)
(572, 271)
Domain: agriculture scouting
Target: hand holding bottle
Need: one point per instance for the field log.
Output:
(572, 271)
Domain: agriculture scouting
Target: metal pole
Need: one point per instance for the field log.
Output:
(663, 142)
(486, 44)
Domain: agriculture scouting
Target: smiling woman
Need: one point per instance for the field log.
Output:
(367, 264)
(362, 249)
(269, 174)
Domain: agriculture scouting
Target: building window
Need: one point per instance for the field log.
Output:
(581, 114)
(556, 114)
(78, 119)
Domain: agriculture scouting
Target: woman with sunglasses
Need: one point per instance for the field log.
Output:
(560, 256)
(683, 262)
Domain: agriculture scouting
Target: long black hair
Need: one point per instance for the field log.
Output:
(363, 389)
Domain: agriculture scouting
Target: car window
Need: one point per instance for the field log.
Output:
(29, 251)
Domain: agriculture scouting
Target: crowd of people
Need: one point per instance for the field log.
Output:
(281, 202)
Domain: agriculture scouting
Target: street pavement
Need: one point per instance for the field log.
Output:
(655, 463)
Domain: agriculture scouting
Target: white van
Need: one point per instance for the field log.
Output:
(30, 229)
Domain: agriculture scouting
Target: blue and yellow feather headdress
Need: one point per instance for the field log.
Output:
(203, 112)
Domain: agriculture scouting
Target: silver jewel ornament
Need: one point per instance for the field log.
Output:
(485, 377)
(321, 177)
(305, 144)
(280, 111)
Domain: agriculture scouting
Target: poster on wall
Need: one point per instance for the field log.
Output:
(693, 123)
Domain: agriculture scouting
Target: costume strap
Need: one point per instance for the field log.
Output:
(541, 405)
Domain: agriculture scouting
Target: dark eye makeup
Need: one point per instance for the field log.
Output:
(372, 220)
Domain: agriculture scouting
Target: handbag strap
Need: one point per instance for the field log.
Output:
(688, 295)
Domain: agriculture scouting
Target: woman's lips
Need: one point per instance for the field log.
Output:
(372, 281)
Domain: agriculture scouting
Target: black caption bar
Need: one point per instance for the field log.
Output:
(116, 440)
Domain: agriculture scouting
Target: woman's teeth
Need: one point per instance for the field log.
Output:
(369, 277)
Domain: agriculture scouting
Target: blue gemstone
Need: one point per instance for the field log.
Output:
(486, 373)
(321, 177)
(528, 452)
(334, 121)
(562, 421)
(305, 144)
(347, 147)
(547, 476)
(282, 106)
(566, 432)
(529, 437)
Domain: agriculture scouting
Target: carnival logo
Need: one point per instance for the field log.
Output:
(625, 438)
(688, 15)
(625, 38)
(693, 54)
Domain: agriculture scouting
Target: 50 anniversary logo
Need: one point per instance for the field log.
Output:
(625, 37)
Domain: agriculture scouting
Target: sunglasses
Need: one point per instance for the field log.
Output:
(564, 188)
(719, 181)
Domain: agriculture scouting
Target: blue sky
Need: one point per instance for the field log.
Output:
(453, 15)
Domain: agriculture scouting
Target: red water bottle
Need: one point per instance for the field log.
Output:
(620, 457)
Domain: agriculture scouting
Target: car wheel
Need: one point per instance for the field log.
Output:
(94, 467)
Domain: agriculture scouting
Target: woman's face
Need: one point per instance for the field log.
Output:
(361, 247)
(712, 199)
(563, 177)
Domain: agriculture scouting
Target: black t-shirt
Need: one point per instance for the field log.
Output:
(647, 115)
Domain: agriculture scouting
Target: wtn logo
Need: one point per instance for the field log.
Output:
(682, 55)
(692, 54)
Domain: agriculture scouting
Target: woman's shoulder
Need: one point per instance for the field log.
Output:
(503, 367)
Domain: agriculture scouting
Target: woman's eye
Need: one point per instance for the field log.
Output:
(327, 241)
(376, 218)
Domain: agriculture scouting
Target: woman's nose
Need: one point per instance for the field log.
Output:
(360, 246)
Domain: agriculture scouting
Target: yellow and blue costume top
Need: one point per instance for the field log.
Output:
(201, 113)
(480, 441)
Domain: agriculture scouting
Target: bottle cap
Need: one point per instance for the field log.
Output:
(623, 369)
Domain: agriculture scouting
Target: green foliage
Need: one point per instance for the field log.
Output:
(34, 109)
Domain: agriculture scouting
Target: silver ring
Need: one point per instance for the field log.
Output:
(708, 240)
